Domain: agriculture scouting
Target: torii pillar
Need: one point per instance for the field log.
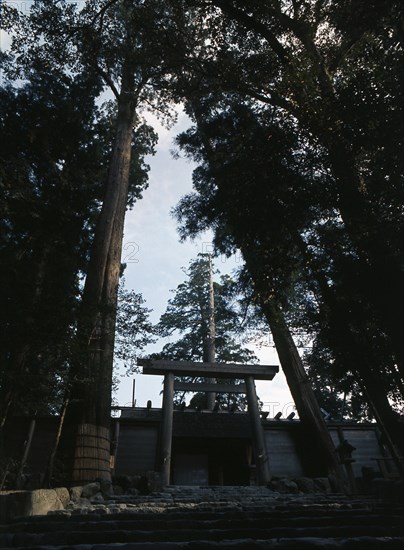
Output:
(167, 428)
(258, 437)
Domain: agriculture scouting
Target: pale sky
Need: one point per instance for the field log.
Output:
(154, 258)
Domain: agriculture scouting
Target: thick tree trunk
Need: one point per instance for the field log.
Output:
(303, 395)
(392, 430)
(88, 419)
(316, 432)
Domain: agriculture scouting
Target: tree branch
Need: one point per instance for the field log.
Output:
(343, 52)
(107, 78)
(317, 10)
(251, 23)
(296, 8)
(273, 99)
(102, 11)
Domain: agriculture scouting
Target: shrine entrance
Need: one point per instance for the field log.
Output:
(211, 461)
(207, 464)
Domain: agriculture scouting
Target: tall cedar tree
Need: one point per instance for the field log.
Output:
(111, 40)
(230, 199)
(187, 315)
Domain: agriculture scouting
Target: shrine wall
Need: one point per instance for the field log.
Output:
(136, 452)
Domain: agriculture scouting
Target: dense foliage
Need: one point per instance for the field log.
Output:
(51, 185)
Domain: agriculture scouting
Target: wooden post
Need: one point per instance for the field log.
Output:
(211, 397)
(260, 453)
(133, 393)
(51, 461)
(114, 446)
(26, 451)
(167, 428)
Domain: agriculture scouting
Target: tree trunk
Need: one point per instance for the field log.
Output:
(90, 402)
(302, 393)
(27, 447)
(392, 430)
(211, 351)
(49, 469)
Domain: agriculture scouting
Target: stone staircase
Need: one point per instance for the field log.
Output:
(205, 518)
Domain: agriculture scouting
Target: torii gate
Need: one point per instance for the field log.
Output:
(250, 373)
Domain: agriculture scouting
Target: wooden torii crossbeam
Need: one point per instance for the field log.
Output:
(208, 370)
(206, 387)
(170, 369)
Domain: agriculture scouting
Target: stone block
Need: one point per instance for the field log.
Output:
(97, 498)
(154, 481)
(305, 484)
(63, 494)
(117, 490)
(75, 493)
(15, 504)
(106, 487)
(84, 502)
(44, 500)
(283, 485)
(322, 485)
(123, 481)
(91, 489)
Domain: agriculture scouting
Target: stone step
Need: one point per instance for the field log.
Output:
(277, 514)
(208, 511)
(192, 523)
(320, 543)
(114, 536)
(37, 532)
(207, 518)
(227, 497)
